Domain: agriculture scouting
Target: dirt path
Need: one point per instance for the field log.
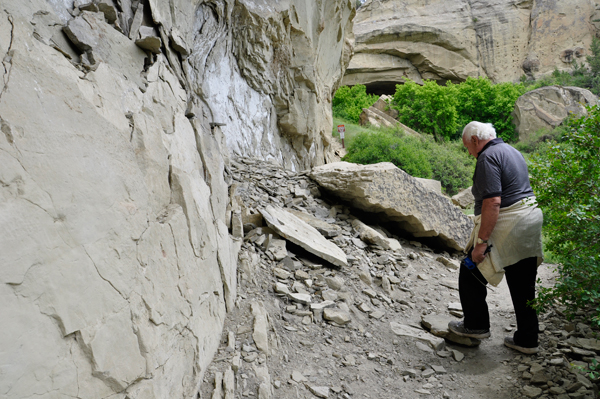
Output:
(275, 347)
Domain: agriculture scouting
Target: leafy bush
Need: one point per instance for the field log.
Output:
(427, 109)
(348, 102)
(481, 100)
(385, 146)
(420, 157)
(566, 180)
(444, 110)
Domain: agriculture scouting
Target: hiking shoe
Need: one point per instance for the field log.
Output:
(510, 342)
(458, 328)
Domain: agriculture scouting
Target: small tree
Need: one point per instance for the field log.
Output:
(430, 108)
(348, 102)
(567, 183)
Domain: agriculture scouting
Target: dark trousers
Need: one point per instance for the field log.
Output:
(520, 278)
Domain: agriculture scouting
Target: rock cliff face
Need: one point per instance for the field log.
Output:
(116, 263)
(452, 40)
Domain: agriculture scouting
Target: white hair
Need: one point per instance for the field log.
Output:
(483, 131)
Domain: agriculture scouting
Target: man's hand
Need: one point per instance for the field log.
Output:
(478, 253)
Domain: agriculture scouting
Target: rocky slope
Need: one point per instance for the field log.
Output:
(304, 328)
(117, 120)
(450, 41)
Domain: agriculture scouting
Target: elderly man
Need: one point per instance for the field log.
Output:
(506, 239)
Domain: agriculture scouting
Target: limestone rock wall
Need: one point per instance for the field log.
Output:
(443, 40)
(116, 263)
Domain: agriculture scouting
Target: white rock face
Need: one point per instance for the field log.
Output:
(116, 263)
(451, 40)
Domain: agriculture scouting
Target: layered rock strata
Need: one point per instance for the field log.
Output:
(118, 119)
(398, 197)
(450, 41)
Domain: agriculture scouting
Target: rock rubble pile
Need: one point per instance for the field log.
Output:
(305, 327)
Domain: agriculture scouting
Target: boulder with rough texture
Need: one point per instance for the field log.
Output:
(443, 40)
(464, 199)
(397, 197)
(300, 233)
(546, 108)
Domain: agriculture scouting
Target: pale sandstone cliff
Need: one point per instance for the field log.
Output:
(116, 264)
(452, 40)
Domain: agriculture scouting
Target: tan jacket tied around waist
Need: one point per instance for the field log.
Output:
(516, 236)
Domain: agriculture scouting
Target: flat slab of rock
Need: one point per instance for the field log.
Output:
(464, 199)
(300, 233)
(407, 331)
(387, 190)
(438, 326)
(338, 316)
(328, 230)
(372, 236)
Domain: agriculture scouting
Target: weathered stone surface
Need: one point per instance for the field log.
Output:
(336, 315)
(464, 199)
(410, 39)
(385, 189)
(101, 43)
(292, 228)
(438, 326)
(372, 236)
(378, 118)
(449, 263)
(433, 185)
(545, 108)
(148, 40)
(327, 229)
(412, 332)
(260, 327)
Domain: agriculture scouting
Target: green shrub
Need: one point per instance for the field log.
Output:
(565, 180)
(420, 157)
(444, 110)
(348, 102)
(427, 109)
(383, 146)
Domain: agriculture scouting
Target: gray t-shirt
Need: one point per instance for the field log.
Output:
(501, 171)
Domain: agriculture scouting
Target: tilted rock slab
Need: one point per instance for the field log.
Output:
(547, 107)
(389, 191)
(438, 326)
(300, 233)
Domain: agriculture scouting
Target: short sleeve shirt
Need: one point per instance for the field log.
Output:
(501, 171)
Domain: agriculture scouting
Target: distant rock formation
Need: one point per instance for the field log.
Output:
(546, 108)
(452, 40)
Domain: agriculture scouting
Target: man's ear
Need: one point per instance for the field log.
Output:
(475, 140)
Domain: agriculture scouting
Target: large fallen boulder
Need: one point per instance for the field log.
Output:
(300, 233)
(398, 197)
(546, 108)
